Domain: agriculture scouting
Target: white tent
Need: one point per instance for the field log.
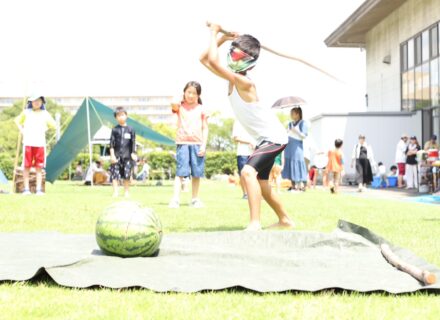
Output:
(102, 136)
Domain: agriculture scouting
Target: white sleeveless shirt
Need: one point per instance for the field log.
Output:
(260, 122)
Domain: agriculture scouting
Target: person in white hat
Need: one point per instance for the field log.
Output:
(401, 159)
(33, 123)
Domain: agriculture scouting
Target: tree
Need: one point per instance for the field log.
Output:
(220, 134)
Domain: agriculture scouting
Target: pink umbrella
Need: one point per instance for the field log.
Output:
(288, 102)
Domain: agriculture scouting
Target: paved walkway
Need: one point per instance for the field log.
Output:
(392, 194)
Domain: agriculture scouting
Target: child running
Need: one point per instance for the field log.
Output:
(33, 124)
(260, 122)
(191, 140)
(122, 152)
(335, 166)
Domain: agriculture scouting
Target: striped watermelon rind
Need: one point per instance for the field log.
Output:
(125, 229)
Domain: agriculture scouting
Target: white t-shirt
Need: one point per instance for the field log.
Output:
(90, 171)
(382, 170)
(145, 168)
(238, 132)
(35, 125)
(260, 122)
(401, 152)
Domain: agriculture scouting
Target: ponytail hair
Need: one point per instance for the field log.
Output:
(196, 86)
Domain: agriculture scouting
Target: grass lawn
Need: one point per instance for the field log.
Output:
(72, 208)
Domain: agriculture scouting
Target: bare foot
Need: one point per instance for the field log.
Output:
(286, 225)
(253, 226)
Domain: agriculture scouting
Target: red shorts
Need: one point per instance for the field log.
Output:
(401, 167)
(34, 157)
(312, 173)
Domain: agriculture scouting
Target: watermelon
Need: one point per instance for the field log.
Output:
(126, 229)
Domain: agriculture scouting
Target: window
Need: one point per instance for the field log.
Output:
(411, 90)
(435, 82)
(411, 53)
(426, 98)
(404, 55)
(434, 41)
(405, 100)
(420, 70)
(425, 46)
(418, 50)
(418, 87)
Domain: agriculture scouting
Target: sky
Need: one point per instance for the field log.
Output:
(95, 48)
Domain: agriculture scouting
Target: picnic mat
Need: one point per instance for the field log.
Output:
(267, 261)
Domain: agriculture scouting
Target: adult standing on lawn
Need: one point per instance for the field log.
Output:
(363, 158)
(401, 159)
(411, 163)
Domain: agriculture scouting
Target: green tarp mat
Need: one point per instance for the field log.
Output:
(268, 261)
(75, 137)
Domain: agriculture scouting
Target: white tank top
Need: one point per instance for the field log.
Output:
(261, 123)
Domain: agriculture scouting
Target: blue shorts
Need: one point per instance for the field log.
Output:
(188, 162)
(241, 161)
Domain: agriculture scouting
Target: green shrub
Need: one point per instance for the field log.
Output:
(219, 162)
(216, 162)
(7, 165)
(159, 160)
(163, 164)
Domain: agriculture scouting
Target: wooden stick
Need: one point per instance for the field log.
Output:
(422, 275)
(287, 56)
(17, 151)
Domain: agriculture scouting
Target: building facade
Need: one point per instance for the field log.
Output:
(156, 108)
(401, 39)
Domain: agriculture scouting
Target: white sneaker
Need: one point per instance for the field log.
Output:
(39, 193)
(174, 204)
(196, 203)
(26, 192)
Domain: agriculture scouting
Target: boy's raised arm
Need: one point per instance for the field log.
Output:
(204, 58)
(210, 59)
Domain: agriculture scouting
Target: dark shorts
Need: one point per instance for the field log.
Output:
(241, 161)
(401, 166)
(263, 158)
(121, 170)
(188, 162)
